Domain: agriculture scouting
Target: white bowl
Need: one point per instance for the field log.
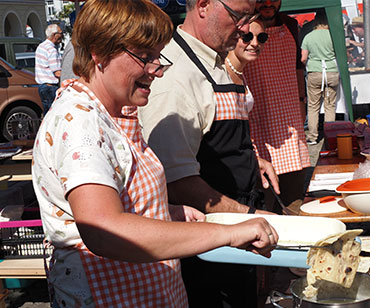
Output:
(358, 202)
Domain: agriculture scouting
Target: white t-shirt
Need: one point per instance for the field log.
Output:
(77, 143)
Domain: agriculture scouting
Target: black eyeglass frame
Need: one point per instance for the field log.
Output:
(162, 67)
(262, 37)
(241, 20)
(262, 1)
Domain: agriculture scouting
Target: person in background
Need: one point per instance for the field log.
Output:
(67, 60)
(196, 122)
(276, 80)
(48, 65)
(248, 48)
(357, 28)
(101, 189)
(323, 78)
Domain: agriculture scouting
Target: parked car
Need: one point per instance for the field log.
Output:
(19, 51)
(20, 104)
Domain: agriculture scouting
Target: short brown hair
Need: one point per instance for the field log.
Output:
(106, 27)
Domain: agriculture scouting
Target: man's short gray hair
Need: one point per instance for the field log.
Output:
(190, 4)
(51, 29)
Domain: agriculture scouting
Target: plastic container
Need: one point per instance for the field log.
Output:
(344, 145)
(15, 283)
(22, 239)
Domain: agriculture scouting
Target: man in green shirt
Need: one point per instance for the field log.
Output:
(323, 77)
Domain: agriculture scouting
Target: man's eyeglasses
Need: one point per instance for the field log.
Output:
(61, 33)
(262, 1)
(261, 37)
(149, 65)
(240, 19)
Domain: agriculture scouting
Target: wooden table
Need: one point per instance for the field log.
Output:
(22, 268)
(335, 165)
(18, 168)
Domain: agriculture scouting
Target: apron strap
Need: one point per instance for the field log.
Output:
(324, 81)
(190, 53)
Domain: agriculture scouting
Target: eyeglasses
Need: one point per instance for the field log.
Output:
(239, 19)
(261, 37)
(149, 65)
(262, 1)
(61, 33)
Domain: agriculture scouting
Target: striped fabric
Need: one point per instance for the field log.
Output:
(48, 61)
(275, 121)
(124, 284)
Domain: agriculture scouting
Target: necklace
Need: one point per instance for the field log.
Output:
(233, 68)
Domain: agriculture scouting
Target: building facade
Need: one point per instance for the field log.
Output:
(22, 18)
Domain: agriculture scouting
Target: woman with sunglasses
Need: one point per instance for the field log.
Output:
(247, 49)
(101, 190)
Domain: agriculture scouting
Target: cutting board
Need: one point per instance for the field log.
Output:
(345, 216)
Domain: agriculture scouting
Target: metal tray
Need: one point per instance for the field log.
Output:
(283, 258)
(292, 230)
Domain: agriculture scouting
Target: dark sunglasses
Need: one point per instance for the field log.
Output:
(261, 37)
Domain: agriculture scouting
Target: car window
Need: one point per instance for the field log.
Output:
(25, 55)
(2, 51)
(23, 47)
(25, 59)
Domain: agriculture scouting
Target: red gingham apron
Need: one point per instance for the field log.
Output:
(123, 284)
(275, 120)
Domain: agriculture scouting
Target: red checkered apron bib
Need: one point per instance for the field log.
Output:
(275, 120)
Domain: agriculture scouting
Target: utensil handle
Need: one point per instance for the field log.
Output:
(275, 194)
(276, 297)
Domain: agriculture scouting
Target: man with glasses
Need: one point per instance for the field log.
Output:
(196, 123)
(48, 65)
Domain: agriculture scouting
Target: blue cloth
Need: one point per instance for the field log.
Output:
(47, 94)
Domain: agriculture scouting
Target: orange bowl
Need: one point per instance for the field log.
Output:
(355, 186)
(356, 195)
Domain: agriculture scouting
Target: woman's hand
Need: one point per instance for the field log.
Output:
(255, 235)
(185, 213)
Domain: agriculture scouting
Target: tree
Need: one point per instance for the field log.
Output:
(63, 16)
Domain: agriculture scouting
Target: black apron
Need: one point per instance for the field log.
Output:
(226, 156)
(229, 165)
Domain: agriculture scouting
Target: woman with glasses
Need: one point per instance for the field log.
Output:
(247, 50)
(101, 190)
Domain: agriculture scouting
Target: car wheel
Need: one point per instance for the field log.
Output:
(20, 123)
